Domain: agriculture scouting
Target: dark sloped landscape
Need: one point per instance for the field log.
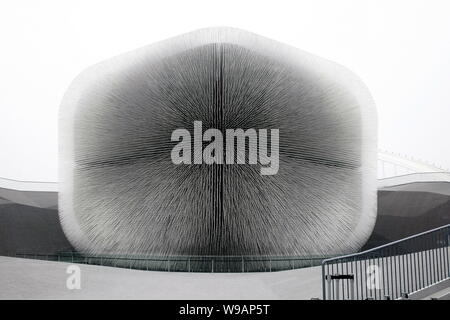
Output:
(405, 213)
(25, 229)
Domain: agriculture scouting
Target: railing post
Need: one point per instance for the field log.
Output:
(324, 297)
(337, 289)
(329, 287)
(447, 251)
(243, 268)
(352, 288)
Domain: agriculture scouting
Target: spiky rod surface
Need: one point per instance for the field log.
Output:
(121, 193)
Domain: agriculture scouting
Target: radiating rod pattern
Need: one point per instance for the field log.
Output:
(121, 192)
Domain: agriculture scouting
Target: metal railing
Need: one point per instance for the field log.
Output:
(185, 263)
(391, 271)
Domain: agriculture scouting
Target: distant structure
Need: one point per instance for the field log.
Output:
(393, 165)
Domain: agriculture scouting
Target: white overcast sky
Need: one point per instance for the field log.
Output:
(401, 50)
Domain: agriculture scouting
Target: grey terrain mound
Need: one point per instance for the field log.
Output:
(25, 229)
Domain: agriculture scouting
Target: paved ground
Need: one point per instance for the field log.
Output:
(36, 279)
